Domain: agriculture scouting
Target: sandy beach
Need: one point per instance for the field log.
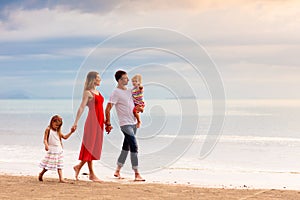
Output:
(28, 187)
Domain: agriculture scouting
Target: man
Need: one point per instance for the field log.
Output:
(121, 97)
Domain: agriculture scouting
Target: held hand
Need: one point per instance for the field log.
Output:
(73, 129)
(108, 128)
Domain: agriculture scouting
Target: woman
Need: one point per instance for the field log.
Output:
(93, 129)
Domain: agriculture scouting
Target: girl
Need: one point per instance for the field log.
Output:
(53, 145)
(138, 97)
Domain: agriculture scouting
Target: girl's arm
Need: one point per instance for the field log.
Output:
(85, 98)
(67, 135)
(46, 136)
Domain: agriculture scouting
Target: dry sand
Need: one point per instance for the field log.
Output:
(28, 187)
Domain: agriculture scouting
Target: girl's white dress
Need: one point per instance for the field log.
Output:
(54, 157)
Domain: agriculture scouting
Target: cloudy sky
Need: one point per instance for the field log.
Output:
(254, 44)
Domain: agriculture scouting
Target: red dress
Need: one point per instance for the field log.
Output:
(93, 130)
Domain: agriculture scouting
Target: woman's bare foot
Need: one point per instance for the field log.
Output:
(94, 178)
(76, 169)
(40, 177)
(138, 177)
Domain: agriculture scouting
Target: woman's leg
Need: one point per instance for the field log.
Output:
(92, 175)
(77, 168)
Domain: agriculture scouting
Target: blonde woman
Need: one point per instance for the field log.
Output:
(93, 129)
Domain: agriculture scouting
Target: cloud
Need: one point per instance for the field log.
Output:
(268, 54)
(4, 58)
(61, 83)
(253, 42)
(45, 23)
(207, 21)
(75, 52)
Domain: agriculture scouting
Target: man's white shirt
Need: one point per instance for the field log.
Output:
(123, 101)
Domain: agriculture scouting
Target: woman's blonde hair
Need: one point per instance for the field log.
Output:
(138, 77)
(89, 81)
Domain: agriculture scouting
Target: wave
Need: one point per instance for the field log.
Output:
(249, 171)
(234, 138)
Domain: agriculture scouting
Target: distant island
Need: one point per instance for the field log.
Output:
(15, 94)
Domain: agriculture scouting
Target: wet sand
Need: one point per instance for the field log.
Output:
(28, 187)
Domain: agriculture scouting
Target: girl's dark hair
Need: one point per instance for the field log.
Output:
(119, 74)
(56, 117)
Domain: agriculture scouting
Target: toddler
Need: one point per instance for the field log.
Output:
(138, 97)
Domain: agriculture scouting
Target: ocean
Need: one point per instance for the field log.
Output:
(258, 147)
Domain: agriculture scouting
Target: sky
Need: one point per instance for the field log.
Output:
(46, 47)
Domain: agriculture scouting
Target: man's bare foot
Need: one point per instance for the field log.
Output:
(138, 177)
(138, 124)
(94, 178)
(118, 175)
(40, 177)
(76, 169)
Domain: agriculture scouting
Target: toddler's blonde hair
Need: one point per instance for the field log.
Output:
(137, 77)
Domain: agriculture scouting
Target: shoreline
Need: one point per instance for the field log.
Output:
(213, 172)
(204, 178)
(28, 187)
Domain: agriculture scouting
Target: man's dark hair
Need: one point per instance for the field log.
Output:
(119, 74)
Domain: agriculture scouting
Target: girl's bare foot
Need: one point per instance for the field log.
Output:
(138, 177)
(76, 169)
(40, 177)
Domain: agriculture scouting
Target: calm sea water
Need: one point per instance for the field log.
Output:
(23, 121)
(258, 135)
